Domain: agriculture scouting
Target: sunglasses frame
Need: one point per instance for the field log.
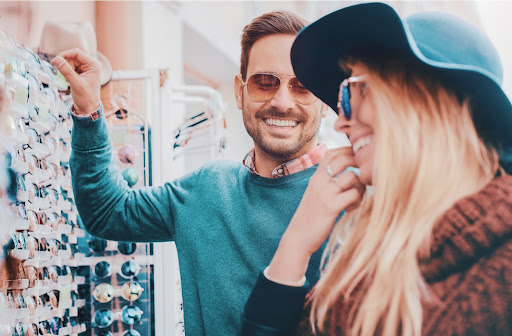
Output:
(277, 75)
(344, 95)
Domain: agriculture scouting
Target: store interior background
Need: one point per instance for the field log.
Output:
(198, 42)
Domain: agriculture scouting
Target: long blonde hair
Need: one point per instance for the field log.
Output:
(428, 155)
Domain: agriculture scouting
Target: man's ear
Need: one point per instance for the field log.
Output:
(323, 109)
(239, 91)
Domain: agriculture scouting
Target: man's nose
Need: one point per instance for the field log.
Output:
(283, 99)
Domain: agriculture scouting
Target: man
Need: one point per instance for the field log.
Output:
(225, 218)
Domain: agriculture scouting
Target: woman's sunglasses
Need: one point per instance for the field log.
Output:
(352, 87)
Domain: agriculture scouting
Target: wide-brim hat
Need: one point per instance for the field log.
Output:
(452, 48)
(58, 37)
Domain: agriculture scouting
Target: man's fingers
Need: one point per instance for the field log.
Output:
(66, 69)
(79, 58)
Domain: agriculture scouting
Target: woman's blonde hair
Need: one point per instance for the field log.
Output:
(427, 156)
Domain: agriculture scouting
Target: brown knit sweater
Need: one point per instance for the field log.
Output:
(470, 269)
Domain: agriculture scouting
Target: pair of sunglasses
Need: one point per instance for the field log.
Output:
(130, 291)
(262, 87)
(128, 269)
(104, 317)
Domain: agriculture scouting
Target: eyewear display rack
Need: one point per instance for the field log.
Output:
(41, 295)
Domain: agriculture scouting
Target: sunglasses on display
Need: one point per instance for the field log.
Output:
(97, 245)
(128, 269)
(104, 317)
(18, 129)
(20, 214)
(54, 273)
(18, 301)
(24, 241)
(37, 143)
(263, 87)
(52, 326)
(17, 159)
(126, 248)
(130, 332)
(14, 299)
(130, 291)
(351, 88)
(103, 293)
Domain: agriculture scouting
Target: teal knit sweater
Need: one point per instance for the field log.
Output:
(226, 223)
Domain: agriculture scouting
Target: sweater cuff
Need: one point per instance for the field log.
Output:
(275, 306)
(299, 283)
(90, 134)
(87, 117)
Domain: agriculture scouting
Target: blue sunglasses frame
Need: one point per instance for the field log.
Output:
(344, 95)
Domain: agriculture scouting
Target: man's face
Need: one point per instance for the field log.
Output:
(281, 127)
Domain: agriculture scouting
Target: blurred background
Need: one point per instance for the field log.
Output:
(199, 41)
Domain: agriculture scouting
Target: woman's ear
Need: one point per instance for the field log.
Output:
(239, 91)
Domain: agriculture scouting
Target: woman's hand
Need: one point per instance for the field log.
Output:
(330, 191)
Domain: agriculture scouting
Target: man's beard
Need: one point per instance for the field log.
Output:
(284, 150)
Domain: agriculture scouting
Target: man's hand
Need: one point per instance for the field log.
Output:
(83, 75)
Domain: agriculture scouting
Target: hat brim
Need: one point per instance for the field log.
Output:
(106, 69)
(376, 26)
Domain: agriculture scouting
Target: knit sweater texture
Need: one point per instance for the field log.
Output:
(226, 223)
(469, 270)
(469, 273)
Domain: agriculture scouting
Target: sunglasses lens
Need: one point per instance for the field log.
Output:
(103, 293)
(103, 318)
(130, 269)
(345, 101)
(262, 87)
(300, 93)
(126, 248)
(98, 244)
(102, 269)
(33, 112)
(131, 291)
(131, 314)
(21, 183)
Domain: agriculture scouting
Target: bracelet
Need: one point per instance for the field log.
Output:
(299, 283)
(87, 117)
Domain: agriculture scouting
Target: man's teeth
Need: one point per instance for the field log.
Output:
(360, 144)
(281, 123)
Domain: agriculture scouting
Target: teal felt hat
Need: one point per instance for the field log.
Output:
(446, 45)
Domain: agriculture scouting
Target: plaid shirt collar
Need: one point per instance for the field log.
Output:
(301, 163)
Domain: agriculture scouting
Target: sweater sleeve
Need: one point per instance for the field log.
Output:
(107, 206)
(273, 309)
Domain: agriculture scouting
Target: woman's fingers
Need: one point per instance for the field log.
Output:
(337, 160)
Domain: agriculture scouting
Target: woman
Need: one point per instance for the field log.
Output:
(428, 249)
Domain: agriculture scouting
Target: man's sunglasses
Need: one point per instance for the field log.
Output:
(264, 86)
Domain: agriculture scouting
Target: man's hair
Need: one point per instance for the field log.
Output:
(279, 22)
